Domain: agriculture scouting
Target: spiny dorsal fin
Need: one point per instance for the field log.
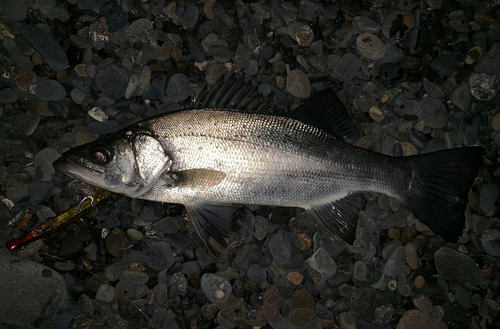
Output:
(235, 94)
(325, 110)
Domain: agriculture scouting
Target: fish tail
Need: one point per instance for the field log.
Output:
(440, 186)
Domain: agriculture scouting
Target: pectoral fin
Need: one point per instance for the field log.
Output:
(341, 216)
(211, 221)
(196, 179)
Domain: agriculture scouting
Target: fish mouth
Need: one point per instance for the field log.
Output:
(74, 170)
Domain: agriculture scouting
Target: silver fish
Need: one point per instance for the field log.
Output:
(210, 158)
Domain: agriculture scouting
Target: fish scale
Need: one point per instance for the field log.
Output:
(268, 160)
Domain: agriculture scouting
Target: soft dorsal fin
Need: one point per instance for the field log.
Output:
(325, 110)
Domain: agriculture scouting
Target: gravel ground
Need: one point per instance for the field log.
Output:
(417, 76)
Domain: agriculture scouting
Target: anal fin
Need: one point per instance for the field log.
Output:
(340, 216)
(211, 221)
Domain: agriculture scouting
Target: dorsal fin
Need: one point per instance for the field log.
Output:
(233, 94)
(325, 110)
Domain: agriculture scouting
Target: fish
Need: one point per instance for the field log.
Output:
(229, 149)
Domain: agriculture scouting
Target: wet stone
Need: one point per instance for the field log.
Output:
(321, 266)
(455, 266)
(117, 242)
(309, 10)
(256, 274)
(348, 67)
(366, 25)
(488, 197)
(301, 316)
(179, 282)
(48, 90)
(105, 293)
(190, 16)
(44, 159)
(362, 303)
(161, 255)
(38, 191)
(414, 319)
(135, 278)
(216, 288)
(7, 96)
(370, 46)
(111, 83)
(360, 271)
(298, 84)
(445, 64)
(47, 46)
(463, 297)
(280, 247)
(434, 113)
(197, 51)
(301, 33)
(483, 86)
(412, 256)
(395, 262)
(461, 96)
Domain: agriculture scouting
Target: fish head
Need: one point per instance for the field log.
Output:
(127, 162)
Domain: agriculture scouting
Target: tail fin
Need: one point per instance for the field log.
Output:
(440, 186)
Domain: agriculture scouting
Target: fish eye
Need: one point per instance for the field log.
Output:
(100, 155)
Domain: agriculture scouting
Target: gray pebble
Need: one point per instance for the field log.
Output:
(360, 271)
(298, 84)
(395, 262)
(190, 16)
(222, 14)
(15, 10)
(111, 83)
(47, 46)
(7, 96)
(457, 267)
(492, 248)
(445, 64)
(433, 90)
(179, 281)
(463, 297)
(216, 288)
(197, 50)
(392, 54)
(256, 274)
(434, 113)
(348, 67)
(136, 278)
(221, 54)
(309, 10)
(366, 25)
(280, 247)
(178, 88)
(461, 96)
(370, 46)
(44, 159)
(161, 255)
(488, 197)
(48, 90)
(471, 137)
(242, 56)
(320, 266)
(105, 293)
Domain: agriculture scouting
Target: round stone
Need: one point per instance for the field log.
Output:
(370, 46)
(298, 84)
